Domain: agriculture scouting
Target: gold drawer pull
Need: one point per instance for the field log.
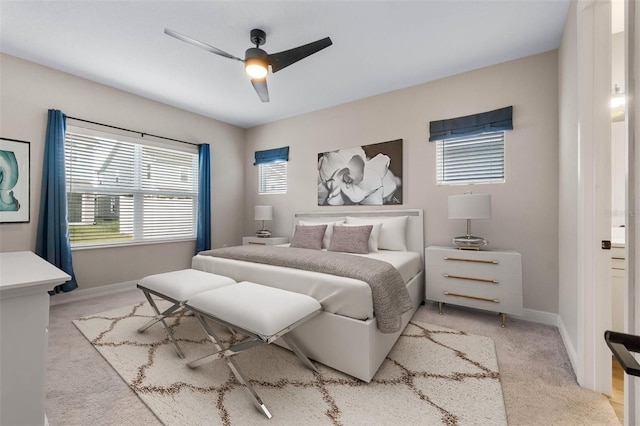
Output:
(257, 244)
(462, 259)
(484, 280)
(484, 299)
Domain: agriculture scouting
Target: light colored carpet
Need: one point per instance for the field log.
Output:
(538, 383)
(434, 375)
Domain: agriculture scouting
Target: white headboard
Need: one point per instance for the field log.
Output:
(415, 224)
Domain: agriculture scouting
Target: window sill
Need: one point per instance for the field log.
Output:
(92, 246)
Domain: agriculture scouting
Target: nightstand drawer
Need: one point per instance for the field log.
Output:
(498, 277)
(505, 303)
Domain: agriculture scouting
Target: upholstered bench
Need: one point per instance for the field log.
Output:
(262, 313)
(177, 287)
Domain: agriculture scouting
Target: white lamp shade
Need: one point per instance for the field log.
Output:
(263, 212)
(470, 206)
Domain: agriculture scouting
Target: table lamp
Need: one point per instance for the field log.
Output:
(470, 206)
(263, 213)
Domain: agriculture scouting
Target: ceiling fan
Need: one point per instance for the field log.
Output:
(257, 61)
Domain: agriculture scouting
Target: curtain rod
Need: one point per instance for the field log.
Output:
(143, 134)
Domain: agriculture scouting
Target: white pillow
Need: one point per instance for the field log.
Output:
(326, 241)
(393, 235)
(373, 238)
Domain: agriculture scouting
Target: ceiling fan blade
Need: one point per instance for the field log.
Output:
(200, 44)
(260, 84)
(285, 58)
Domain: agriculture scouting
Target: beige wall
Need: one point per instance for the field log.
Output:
(525, 208)
(29, 90)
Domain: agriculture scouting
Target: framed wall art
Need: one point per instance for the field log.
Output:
(363, 175)
(14, 181)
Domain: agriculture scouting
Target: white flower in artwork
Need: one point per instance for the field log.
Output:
(8, 180)
(347, 176)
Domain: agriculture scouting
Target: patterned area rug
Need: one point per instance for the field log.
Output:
(433, 375)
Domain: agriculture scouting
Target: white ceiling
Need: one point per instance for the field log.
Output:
(377, 47)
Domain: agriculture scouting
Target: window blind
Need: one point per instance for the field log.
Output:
(272, 178)
(123, 192)
(473, 159)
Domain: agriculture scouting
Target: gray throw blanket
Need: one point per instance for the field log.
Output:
(390, 296)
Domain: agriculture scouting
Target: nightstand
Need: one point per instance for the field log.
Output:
(269, 241)
(486, 279)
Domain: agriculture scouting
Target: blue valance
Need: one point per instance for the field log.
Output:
(271, 155)
(471, 125)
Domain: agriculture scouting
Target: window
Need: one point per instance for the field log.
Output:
(121, 190)
(473, 159)
(272, 178)
(272, 170)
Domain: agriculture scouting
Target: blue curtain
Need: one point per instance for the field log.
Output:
(203, 229)
(472, 125)
(271, 155)
(52, 243)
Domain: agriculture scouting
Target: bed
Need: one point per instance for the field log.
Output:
(346, 335)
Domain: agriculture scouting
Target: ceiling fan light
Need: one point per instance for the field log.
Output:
(255, 68)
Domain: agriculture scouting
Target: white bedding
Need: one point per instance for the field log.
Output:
(338, 295)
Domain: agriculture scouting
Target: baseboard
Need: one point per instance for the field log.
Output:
(89, 293)
(571, 350)
(540, 317)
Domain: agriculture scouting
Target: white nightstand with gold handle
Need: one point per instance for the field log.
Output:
(485, 279)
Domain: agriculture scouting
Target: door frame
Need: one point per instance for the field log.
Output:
(594, 194)
(594, 297)
(632, 237)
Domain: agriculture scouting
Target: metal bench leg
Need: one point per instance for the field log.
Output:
(289, 341)
(230, 362)
(160, 318)
(233, 350)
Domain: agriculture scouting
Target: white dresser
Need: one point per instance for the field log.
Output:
(25, 279)
(268, 241)
(485, 279)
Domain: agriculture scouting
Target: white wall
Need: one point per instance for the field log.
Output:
(568, 182)
(525, 208)
(618, 154)
(29, 90)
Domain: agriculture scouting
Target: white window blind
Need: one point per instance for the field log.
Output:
(272, 178)
(123, 192)
(474, 159)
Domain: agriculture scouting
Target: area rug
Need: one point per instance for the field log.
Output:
(433, 375)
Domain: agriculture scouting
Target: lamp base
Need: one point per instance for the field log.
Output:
(263, 233)
(469, 242)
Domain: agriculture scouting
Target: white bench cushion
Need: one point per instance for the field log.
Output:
(181, 285)
(257, 308)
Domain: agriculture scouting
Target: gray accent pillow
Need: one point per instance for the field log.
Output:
(309, 237)
(351, 239)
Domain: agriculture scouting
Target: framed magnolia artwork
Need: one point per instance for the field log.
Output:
(14, 181)
(363, 175)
